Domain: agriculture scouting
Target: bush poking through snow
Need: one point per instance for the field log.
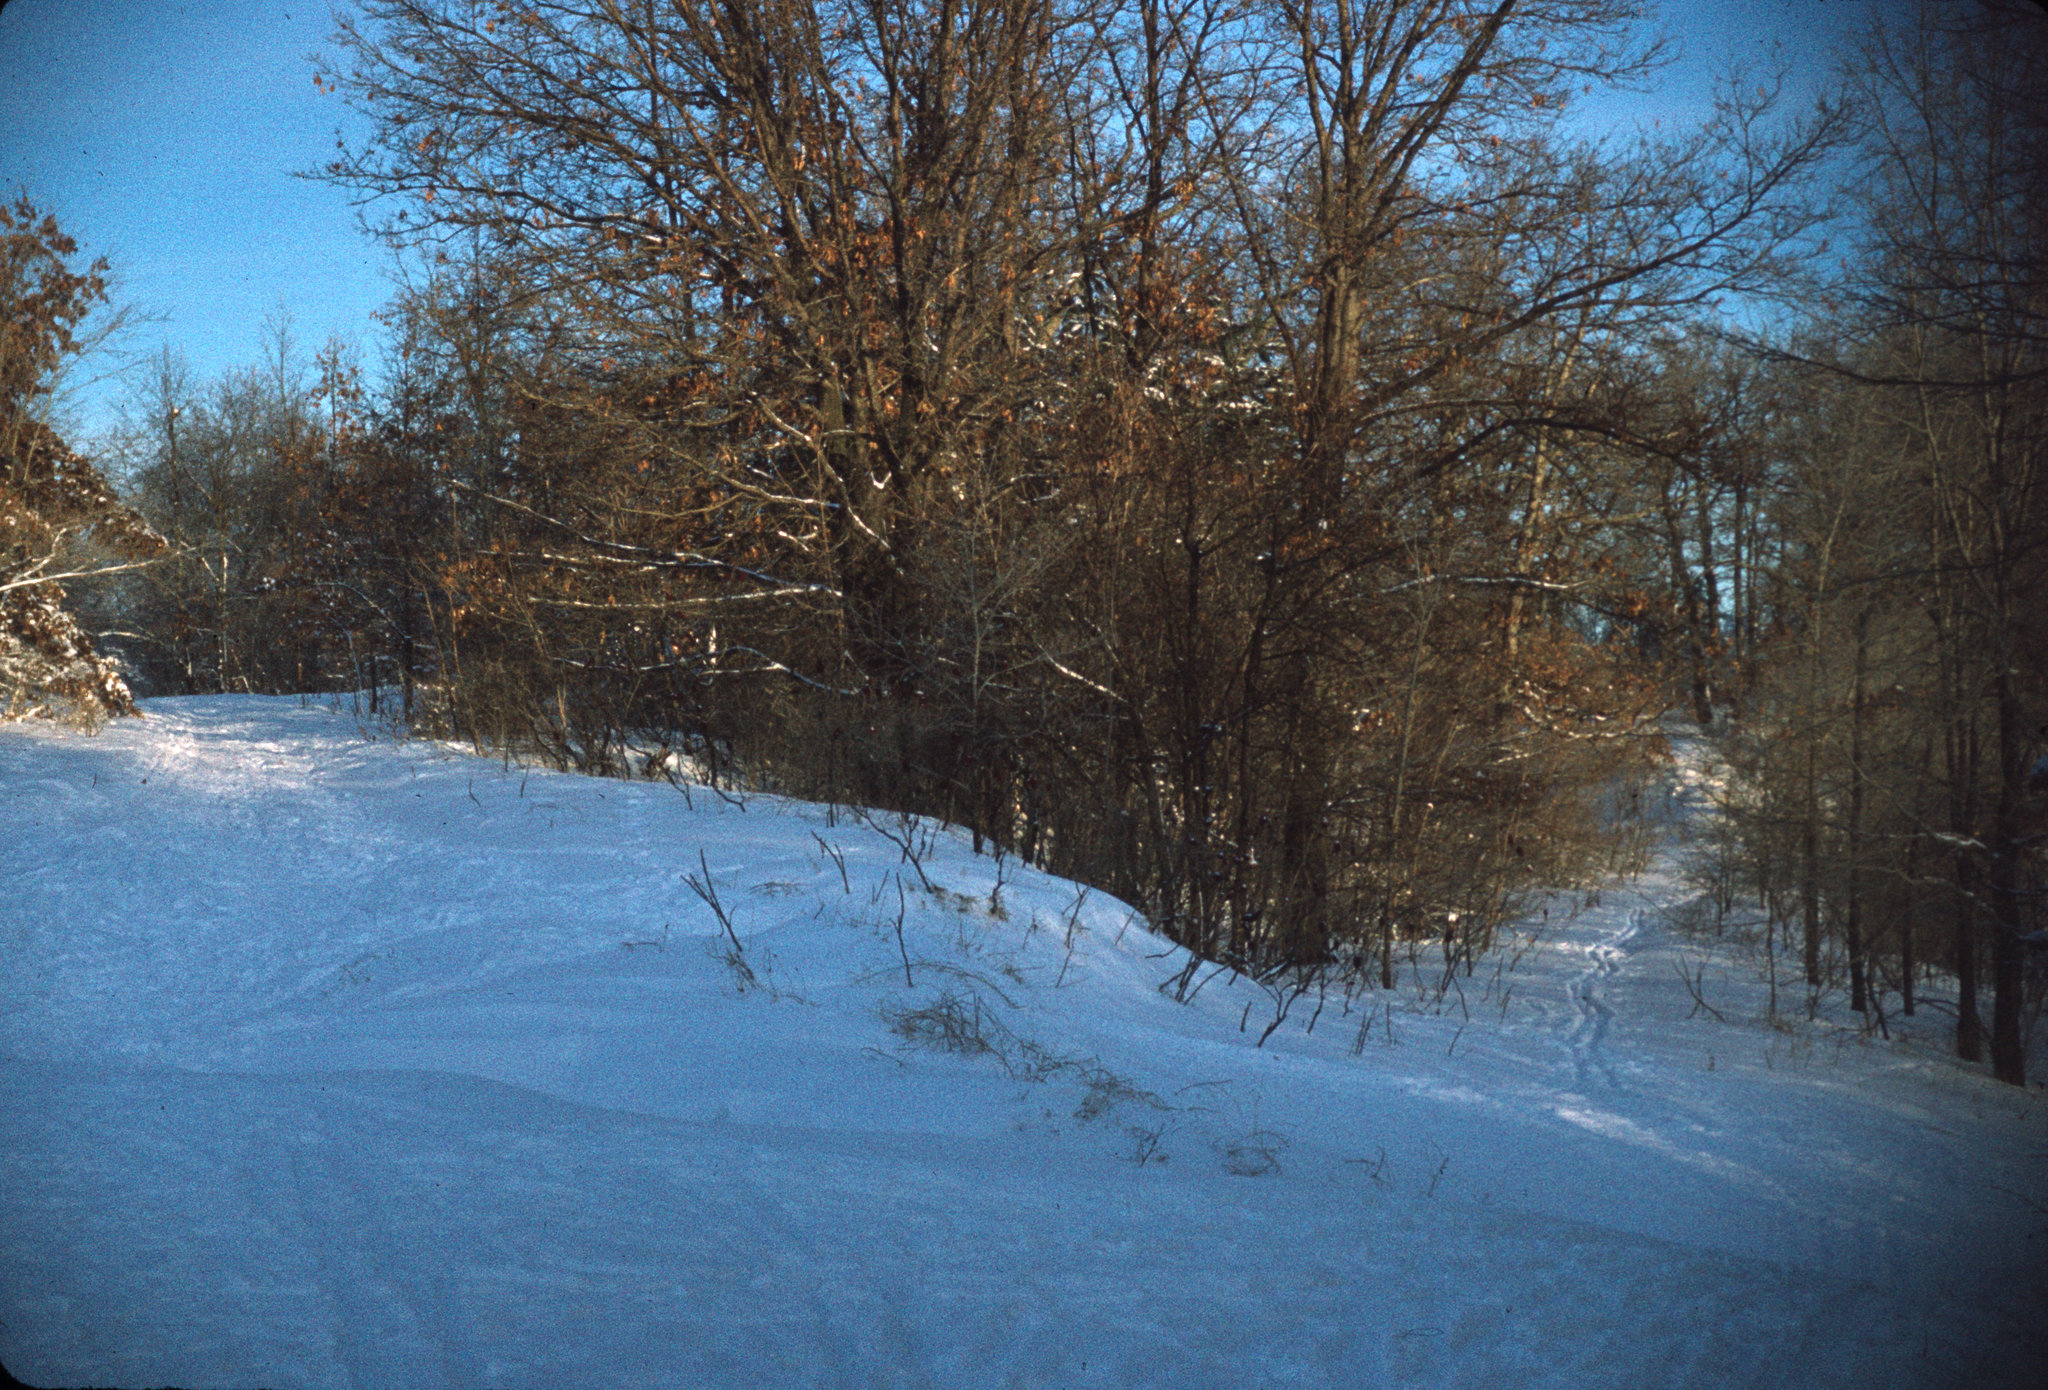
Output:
(969, 1027)
(965, 1025)
(735, 954)
(1146, 1141)
(1107, 1090)
(949, 1024)
(1253, 1154)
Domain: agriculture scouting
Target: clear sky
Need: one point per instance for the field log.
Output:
(165, 136)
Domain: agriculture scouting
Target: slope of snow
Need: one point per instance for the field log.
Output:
(332, 1061)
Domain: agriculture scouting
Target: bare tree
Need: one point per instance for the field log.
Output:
(1190, 444)
(1955, 281)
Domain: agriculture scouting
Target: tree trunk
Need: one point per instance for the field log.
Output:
(1809, 872)
(1962, 775)
(1858, 973)
(2008, 1050)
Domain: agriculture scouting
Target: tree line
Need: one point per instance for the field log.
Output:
(1259, 460)
(1900, 801)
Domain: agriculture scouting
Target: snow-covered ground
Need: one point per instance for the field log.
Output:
(328, 1060)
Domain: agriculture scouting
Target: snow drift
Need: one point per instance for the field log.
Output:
(329, 1060)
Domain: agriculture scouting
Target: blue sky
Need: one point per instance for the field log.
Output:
(165, 137)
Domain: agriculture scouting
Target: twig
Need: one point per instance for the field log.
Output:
(1365, 1022)
(1285, 998)
(1693, 987)
(907, 842)
(837, 856)
(995, 894)
(708, 891)
(1441, 1169)
(901, 950)
(1073, 919)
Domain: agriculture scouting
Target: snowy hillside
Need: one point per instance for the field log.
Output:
(331, 1061)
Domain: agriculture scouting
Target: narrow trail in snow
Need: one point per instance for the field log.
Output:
(1641, 900)
(1588, 1036)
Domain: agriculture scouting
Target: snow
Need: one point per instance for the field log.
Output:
(333, 1060)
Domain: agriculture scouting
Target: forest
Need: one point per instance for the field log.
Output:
(1268, 462)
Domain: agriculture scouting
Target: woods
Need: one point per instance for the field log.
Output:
(1909, 756)
(1268, 462)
